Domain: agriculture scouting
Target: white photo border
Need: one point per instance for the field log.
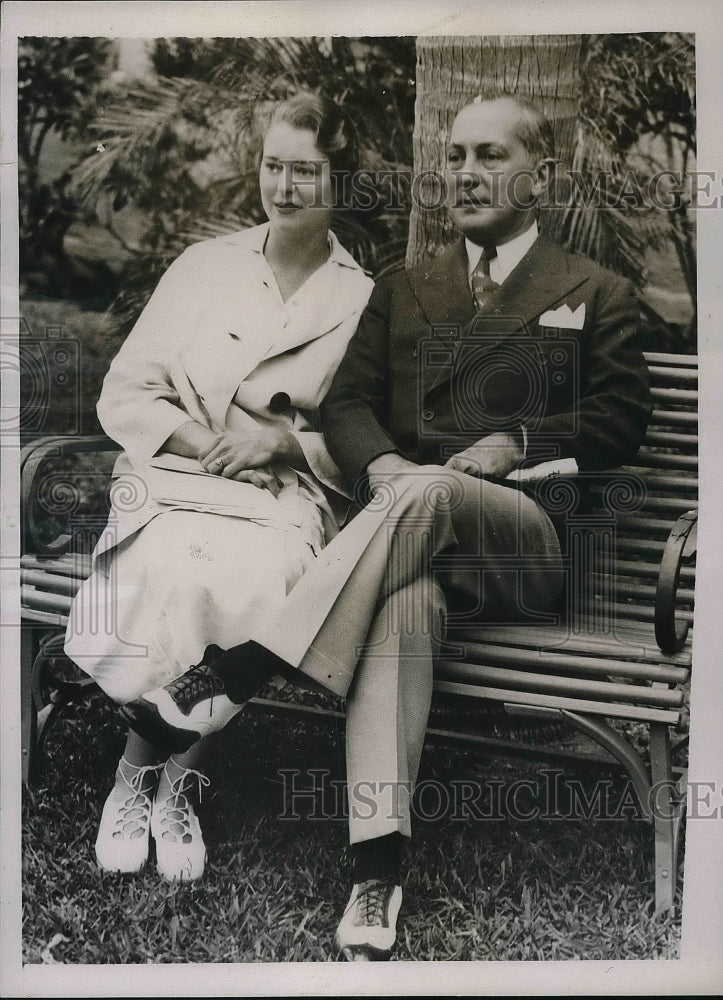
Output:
(700, 968)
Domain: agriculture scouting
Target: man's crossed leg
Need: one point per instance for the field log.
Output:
(366, 622)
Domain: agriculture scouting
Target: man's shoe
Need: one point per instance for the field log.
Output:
(368, 930)
(180, 850)
(122, 841)
(179, 714)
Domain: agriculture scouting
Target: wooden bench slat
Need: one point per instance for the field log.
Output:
(70, 565)
(675, 360)
(50, 582)
(626, 567)
(677, 505)
(640, 546)
(634, 642)
(639, 522)
(649, 459)
(685, 595)
(664, 373)
(45, 602)
(666, 418)
(671, 439)
(56, 619)
(573, 687)
(615, 710)
(661, 479)
(560, 660)
(684, 397)
(646, 612)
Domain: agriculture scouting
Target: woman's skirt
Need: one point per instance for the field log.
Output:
(186, 580)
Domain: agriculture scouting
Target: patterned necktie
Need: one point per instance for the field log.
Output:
(482, 284)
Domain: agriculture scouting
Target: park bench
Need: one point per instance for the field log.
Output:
(618, 664)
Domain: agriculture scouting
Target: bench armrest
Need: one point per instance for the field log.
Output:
(32, 459)
(680, 548)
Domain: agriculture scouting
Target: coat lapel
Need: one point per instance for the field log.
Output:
(250, 325)
(441, 288)
(233, 338)
(331, 296)
(543, 278)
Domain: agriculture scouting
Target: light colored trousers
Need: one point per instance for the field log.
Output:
(367, 619)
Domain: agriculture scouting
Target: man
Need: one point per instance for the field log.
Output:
(502, 352)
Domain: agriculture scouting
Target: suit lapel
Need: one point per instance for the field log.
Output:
(543, 278)
(441, 287)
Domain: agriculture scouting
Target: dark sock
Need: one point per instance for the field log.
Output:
(246, 668)
(380, 857)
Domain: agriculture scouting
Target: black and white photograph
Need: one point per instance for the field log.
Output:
(350, 451)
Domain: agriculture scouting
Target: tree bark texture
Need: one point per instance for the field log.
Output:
(451, 72)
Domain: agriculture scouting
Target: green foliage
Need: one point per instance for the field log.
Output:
(58, 82)
(637, 116)
(58, 86)
(638, 84)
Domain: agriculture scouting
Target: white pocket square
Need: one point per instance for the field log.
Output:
(564, 317)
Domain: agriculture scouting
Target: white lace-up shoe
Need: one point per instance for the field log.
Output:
(122, 841)
(180, 850)
(368, 930)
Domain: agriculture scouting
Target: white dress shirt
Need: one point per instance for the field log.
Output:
(508, 256)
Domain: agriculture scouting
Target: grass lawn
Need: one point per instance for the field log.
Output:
(494, 887)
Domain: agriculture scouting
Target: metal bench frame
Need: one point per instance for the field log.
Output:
(623, 656)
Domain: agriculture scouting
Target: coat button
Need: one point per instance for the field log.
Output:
(427, 414)
(415, 352)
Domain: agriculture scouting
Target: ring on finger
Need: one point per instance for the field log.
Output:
(220, 461)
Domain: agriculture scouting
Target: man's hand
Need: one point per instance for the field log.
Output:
(495, 455)
(234, 452)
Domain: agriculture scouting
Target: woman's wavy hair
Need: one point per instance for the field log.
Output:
(327, 121)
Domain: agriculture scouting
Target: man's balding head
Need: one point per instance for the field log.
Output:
(498, 166)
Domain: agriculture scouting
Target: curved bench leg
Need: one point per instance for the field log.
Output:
(618, 746)
(661, 797)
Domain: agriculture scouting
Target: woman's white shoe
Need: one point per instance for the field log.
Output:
(180, 850)
(122, 841)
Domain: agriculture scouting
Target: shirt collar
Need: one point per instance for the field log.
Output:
(508, 256)
(256, 240)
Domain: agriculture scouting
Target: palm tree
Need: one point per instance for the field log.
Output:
(618, 103)
(452, 72)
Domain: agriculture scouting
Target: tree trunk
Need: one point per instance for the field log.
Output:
(451, 72)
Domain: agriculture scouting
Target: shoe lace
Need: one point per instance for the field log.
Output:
(198, 683)
(176, 808)
(372, 900)
(133, 816)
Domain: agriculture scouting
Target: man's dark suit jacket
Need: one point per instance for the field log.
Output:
(425, 377)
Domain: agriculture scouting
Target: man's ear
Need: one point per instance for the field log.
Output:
(543, 176)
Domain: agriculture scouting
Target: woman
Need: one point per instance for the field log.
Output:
(218, 501)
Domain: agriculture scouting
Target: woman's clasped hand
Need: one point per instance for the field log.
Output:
(248, 457)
